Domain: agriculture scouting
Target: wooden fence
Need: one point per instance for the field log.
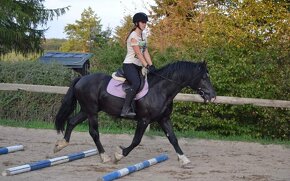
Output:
(179, 97)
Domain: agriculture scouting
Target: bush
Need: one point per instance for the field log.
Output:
(22, 105)
(108, 59)
(239, 73)
(33, 72)
(234, 72)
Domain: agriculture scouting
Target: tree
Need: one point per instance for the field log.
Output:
(246, 44)
(174, 23)
(20, 23)
(123, 30)
(199, 24)
(85, 33)
(52, 44)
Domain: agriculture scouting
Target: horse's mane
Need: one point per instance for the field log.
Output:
(178, 70)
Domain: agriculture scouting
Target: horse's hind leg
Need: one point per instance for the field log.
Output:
(121, 152)
(71, 124)
(94, 132)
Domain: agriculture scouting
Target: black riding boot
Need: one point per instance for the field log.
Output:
(127, 107)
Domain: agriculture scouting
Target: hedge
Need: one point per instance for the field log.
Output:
(229, 79)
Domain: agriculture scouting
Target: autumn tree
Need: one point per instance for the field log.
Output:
(86, 33)
(246, 44)
(121, 32)
(175, 23)
(197, 25)
(21, 25)
(250, 39)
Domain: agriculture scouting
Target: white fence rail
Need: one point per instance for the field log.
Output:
(179, 97)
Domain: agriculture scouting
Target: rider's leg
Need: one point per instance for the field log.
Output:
(132, 75)
(127, 110)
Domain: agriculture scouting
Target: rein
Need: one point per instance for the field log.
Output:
(170, 80)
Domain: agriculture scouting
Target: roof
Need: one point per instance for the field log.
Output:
(72, 60)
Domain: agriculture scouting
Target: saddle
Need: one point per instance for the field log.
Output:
(118, 85)
(120, 76)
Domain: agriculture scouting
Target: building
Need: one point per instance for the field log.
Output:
(79, 62)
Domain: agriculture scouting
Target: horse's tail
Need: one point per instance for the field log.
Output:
(68, 105)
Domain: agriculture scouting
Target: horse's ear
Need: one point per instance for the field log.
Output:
(204, 64)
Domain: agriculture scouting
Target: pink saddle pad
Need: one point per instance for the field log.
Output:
(115, 88)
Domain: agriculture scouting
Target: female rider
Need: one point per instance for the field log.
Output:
(137, 56)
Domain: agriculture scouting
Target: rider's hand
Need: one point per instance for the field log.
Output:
(144, 71)
(150, 68)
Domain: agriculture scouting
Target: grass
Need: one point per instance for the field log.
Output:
(120, 127)
(15, 57)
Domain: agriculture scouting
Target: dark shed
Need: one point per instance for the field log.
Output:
(76, 61)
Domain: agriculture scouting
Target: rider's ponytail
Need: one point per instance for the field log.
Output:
(133, 29)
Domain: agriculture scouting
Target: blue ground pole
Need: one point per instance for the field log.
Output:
(130, 169)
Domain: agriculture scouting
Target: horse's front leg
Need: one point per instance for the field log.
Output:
(139, 132)
(71, 124)
(168, 130)
(94, 132)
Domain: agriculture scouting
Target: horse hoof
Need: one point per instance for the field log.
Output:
(118, 154)
(105, 158)
(184, 161)
(187, 166)
(59, 145)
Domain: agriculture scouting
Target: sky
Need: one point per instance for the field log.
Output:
(111, 12)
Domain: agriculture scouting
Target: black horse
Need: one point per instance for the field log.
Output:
(164, 84)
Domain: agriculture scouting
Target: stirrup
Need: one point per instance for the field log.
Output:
(128, 114)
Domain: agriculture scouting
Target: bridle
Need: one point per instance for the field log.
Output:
(199, 90)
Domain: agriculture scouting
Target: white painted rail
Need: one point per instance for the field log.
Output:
(179, 97)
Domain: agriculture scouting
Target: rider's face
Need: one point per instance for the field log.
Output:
(142, 24)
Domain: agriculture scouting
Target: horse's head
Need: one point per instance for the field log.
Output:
(204, 88)
(187, 73)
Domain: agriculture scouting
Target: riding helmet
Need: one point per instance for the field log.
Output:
(140, 17)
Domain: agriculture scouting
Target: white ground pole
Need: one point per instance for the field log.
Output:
(10, 149)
